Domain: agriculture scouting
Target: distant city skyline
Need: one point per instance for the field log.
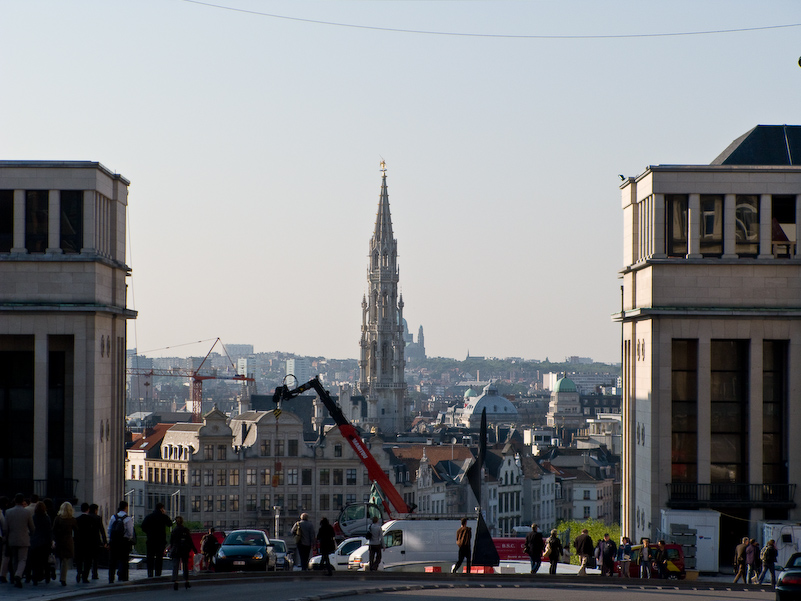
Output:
(253, 144)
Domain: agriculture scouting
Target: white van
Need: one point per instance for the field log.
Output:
(413, 545)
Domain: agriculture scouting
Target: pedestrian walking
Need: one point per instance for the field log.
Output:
(64, 528)
(464, 538)
(304, 539)
(155, 526)
(326, 537)
(553, 550)
(19, 528)
(121, 538)
(769, 555)
(606, 553)
(208, 546)
(375, 537)
(624, 556)
(661, 559)
(751, 557)
(533, 547)
(646, 559)
(181, 545)
(100, 540)
(739, 560)
(41, 545)
(584, 549)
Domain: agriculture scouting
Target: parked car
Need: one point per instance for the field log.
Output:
(283, 559)
(339, 558)
(788, 582)
(245, 550)
(675, 561)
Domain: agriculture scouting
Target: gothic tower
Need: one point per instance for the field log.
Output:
(381, 362)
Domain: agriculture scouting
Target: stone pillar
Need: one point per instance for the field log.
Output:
(40, 404)
(19, 222)
(88, 221)
(729, 218)
(755, 416)
(694, 233)
(54, 222)
(658, 227)
(797, 226)
(765, 227)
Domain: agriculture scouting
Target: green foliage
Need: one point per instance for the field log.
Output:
(569, 530)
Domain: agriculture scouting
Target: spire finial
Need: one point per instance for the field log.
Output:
(383, 167)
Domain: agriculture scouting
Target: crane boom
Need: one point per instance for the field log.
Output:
(349, 432)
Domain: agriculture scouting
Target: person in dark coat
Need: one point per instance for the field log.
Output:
(208, 546)
(646, 559)
(121, 538)
(64, 528)
(19, 527)
(181, 545)
(533, 547)
(661, 559)
(584, 549)
(328, 544)
(41, 544)
(769, 555)
(464, 536)
(607, 550)
(84, 549)
(739, 560)
(155, 527)
(553, 550)
(99, 541)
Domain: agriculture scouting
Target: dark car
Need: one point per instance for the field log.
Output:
(788, 583)
(245, 550)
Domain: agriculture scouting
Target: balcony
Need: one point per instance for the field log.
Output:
(697, 496)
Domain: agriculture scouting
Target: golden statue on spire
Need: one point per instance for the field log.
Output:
(383, 167)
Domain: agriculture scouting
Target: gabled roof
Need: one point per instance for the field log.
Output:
(153, 441)
(775, 145)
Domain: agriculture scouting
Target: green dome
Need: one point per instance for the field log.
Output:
(470, 393)
(565, 385)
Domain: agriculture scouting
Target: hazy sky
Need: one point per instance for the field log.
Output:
(253, 146)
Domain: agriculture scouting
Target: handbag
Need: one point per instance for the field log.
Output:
(547, 552)
(296, 532)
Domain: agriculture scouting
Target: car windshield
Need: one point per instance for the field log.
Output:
(795, 562)
(278, 545)
(253, 539)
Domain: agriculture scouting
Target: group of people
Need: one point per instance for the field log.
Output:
(305, 536)
(35, 537)
(752, 564)
(652, 563)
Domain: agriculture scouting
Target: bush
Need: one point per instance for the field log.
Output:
(569, 530)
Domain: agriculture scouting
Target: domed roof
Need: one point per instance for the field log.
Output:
(496, 405)
(470, 393)
(565, 385)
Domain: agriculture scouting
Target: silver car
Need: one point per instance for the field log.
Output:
(283, 560)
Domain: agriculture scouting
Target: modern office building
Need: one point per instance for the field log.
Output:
(381, 359)
(711, 341)
(62, 330)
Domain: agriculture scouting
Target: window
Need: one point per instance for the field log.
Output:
(684, 410)
(746, 225)
(265, 502)
(292, 451)
(37, 204)
(133, 472)
(221, 452)
(292, 476)
(141, 477)
(264, 476)
(676, 222)
(729, 396)
(292, 502)
(208, 504)
(221, 477)
(233, 477)
(305, 501)
(774, 416)
(279, 448)
(587, 495)
(306, 477)
(150, 474)
(183, 476)
(279, 500)
(711, 225)
(6, 220)
(278, 478)
(71, 221)
(586, 512)
(195, 504)
(250, 476)
(783, 226)
(220, 502)
(250, 502)
(337, 477)
(337, 502)
(325, 501)
(169, 476)
(208, 451)
(325, 476)
(365, 478)
(338, 450)
(350, 477)
(163, 475)
(265, 448)
(233, 502)
(208, 477)
(195, 477)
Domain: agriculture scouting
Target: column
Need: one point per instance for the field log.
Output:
(88, 221)
(19, 222)
(40, 405)
(704, 409)
(765, 227)
(694, 234)
(797, 225)
(54, 222)
(729, 218)
(658, 230)
(754, 417)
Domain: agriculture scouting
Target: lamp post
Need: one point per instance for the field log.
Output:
(130, 503)
(174, 503)
(277, 516)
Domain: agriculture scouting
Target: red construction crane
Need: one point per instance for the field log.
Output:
(196, 397)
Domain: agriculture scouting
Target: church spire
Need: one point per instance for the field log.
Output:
(383, 220)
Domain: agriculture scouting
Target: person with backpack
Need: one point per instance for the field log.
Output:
(768, 556)
(155, 527)
(181, 544)
(208, 546)
(121, 537)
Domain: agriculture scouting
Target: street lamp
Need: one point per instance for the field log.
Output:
(174, 503)
(277, 515)
(130, 503)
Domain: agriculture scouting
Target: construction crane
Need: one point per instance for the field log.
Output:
(196, 397)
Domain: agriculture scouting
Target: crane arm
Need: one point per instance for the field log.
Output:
(350, 434)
